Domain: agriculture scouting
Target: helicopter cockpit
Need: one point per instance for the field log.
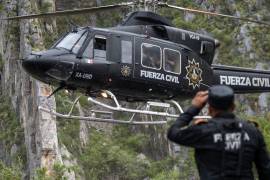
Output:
(72, 41)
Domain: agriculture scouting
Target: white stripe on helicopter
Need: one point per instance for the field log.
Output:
(159, 76)
(244, 81)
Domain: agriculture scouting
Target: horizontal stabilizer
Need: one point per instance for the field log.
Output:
(242, 80)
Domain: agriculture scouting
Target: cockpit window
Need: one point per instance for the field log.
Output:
(71, 40)
(96, 48)
(151, 56)
(79, 43)
(88, 52)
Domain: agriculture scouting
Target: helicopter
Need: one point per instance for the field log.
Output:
(145, 59)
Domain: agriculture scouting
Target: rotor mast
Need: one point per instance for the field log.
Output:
(145, 5)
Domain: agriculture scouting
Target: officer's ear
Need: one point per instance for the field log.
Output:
(212, 111)
(232, 107)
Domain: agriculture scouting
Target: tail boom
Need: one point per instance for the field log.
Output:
(242, 80)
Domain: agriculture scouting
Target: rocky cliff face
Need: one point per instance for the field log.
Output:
(71, 4)
(17, 41)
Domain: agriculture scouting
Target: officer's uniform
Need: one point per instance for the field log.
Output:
(225, 147)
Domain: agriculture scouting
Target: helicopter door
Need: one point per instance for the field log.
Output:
(93, 66)
(100, 48)
(121, 55)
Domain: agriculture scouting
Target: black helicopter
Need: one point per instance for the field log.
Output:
(144, 58)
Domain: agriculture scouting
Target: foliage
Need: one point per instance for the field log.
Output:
(68, 133)
(110, 157)
(58, 172)
(170, 174)
(261, 42)
(1, 7)
(162, 167)
(68, 130)
(45, 7)
(9, 173)
(264, 126)
(41, 174)
(118, 154)
(11, 131)
(122, 135)
(13, 33)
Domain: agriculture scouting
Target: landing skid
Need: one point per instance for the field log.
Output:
(107, 116)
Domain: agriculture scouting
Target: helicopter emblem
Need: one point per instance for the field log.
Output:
(125, 71)
(194, 74)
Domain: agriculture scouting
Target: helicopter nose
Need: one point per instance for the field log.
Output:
(36, 66)
(30, 65)
(48, 68)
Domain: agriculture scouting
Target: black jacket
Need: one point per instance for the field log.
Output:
(225, 147)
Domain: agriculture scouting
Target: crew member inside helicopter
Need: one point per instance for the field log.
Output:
(172, 61)
(151, 56)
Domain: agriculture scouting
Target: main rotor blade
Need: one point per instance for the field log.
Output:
(70, 12)
(214, 14)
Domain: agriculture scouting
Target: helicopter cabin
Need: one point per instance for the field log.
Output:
(203, 45)
(111, 59)
(154, 25)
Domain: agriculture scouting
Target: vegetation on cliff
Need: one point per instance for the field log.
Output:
(11, 143)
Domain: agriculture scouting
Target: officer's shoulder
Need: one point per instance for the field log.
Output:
(200, 122)
(252, 127)
(253, 123)
(250, 123)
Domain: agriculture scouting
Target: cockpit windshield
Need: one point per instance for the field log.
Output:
(72, 41)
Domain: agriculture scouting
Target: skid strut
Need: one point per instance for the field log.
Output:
(98, 116)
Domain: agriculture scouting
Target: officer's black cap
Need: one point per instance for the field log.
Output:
(220, 97)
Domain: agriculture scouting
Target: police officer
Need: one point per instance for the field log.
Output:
(225, 147)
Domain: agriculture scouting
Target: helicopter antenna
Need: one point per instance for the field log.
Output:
(148, 5)
(73, 27)
(213, 14)
(145, 5)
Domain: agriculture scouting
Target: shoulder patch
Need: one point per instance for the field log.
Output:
(253, 123)
(200, 121)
